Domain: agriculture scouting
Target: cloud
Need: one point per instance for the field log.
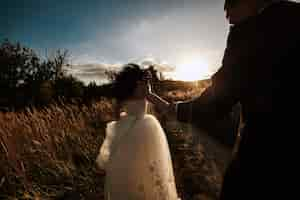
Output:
(162, 38)
(171, 35)
(96, 71)
(189, 27)
(164, 68)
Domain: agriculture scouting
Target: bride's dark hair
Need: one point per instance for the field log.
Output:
(125, 82)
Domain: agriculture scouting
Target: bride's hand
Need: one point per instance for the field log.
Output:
(148, 88)
(164, 107)
(147, 77)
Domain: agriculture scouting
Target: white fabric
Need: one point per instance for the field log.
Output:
(136, 157)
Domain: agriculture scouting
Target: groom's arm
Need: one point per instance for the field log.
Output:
(214, 103)
(228, 84)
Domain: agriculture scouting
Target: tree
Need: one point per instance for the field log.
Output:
(21, 65)
(17, 64)
(69, 87)
(60, 59)
(22, 69)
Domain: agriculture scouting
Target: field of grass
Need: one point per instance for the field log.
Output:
(50, 153)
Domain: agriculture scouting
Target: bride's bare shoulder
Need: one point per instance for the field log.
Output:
(149, 120)
(149, 117)
(111, 124)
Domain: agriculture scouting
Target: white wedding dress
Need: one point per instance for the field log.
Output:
(136, 157)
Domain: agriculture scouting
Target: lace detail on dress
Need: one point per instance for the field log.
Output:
(160, 186)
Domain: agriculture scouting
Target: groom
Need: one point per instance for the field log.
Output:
(258, 68)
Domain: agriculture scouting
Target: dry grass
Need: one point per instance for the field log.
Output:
(50, 154)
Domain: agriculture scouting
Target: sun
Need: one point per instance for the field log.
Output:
(191, 68)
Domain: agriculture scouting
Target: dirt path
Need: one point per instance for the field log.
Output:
(199, 161)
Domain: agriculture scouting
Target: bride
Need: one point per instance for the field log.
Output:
(135, 153)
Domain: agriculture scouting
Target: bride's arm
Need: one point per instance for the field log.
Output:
(159, 102)
(163, 106)
(105, 148)
(213, 104)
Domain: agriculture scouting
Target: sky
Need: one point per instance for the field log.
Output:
(186, 38)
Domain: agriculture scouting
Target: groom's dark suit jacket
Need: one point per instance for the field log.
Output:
(259, 71)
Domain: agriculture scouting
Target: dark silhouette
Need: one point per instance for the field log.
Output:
(254, 72)
(258, 71)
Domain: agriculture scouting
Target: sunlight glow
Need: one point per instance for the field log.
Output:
(191, 68)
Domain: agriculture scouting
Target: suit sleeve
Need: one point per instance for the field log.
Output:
(211, 105)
